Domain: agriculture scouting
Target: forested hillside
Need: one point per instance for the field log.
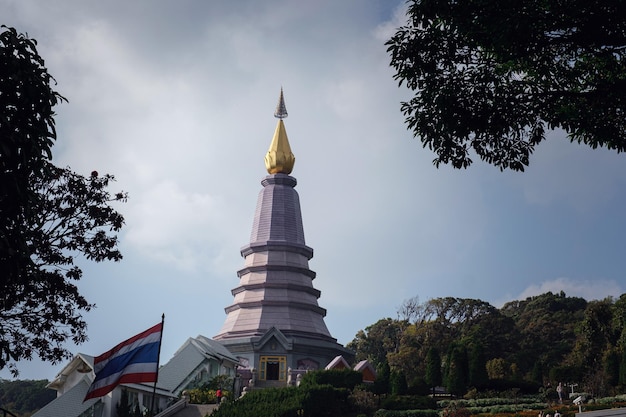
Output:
(465, 344)
(23, 398)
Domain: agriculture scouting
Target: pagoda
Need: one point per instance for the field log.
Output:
(274, 325)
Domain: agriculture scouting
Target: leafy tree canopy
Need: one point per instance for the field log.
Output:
(377, 340)
(48, 216)
(25, 397)
(491, 76)
(544, 339)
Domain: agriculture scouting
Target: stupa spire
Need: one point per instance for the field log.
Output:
(279, 158)
(281, 109)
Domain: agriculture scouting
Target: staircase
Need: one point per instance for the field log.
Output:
(196, 410)
(183, 409)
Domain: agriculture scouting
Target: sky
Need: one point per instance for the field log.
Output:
(176, 100)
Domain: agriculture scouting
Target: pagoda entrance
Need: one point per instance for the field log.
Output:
(273, 368)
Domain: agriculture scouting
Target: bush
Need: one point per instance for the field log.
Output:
(454, 410)
(363, 401)
(408, 402)
(206, 396)
(338, 378)
(500, 385)
(307, 401)
(406, 413)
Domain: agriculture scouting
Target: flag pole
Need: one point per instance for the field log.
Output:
(157, 367)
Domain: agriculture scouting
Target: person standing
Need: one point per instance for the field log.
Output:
(218, 394)
(559, 390)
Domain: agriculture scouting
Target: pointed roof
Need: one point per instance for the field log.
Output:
(70, 403)
(279, 158)
(367, 370)
(338, 363)
(80, 363)
(174, 375)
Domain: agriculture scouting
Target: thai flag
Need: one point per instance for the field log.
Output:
(132, 361)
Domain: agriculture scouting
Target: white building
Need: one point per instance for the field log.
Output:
(197, 361)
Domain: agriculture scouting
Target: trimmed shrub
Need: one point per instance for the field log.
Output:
(408, 402)
(308, 401)
(338, 378)
(406, 413)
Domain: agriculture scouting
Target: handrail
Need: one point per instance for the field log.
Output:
(174, 408)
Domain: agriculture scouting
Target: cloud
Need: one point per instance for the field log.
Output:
(589, 289)
(168, 224)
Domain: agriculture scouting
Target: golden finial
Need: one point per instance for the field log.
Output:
(279, 158)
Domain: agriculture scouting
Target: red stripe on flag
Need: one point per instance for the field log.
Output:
(155, 329)
(125, 379)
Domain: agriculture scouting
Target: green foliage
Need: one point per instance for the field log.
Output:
(408, 402)
(507, 385)
(547, 327)
(454, 410)
(528, 401)
(218, 382)
(596, 333)
(376, 341)
(496, 368)
(611, 366)
(622, 368)
(491, 76)
(313, 400)
(338, 378)
(433, 375)
(477, 367)
(397, 383)
(206, 396)
(493, 405)
(532, 343)
(48, 216)
(406, 413)
(456, 369)
(24, 397)
(381, 384)
(363, 401)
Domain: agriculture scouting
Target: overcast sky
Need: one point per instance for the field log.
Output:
(176, 99)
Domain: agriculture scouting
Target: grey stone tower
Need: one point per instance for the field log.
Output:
(275, 325)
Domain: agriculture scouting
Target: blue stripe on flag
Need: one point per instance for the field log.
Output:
(143, 354)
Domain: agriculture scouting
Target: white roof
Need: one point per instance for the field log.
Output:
(70, 403)
(188, 357)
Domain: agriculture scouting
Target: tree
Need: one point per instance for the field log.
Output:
(377, 340)
(595, 334)
(397, 382)
(491, 76)
(622, 368)
(611, 366)
(456, 375)
(477, 366)
(497, 368)
(383, 375)
(410, 310)
(547, 331)
(24, 397)
(123, 408)
(433, 375)
(27, 132)
(48, 216)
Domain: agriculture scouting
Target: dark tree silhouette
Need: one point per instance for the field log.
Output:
(48, 216)
(491, 76)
